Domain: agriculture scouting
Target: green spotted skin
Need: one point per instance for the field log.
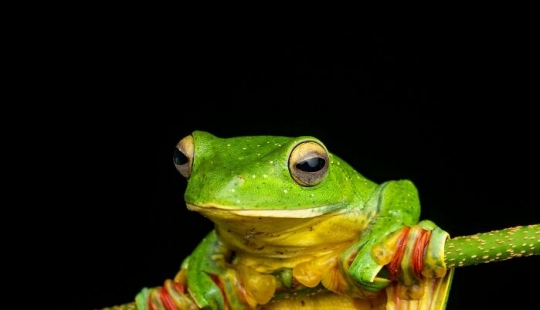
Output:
(493, 246)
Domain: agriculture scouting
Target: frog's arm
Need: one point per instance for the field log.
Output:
(212, 284)
(393, 206)
(412, 251)
(208, 280)
(174, 294)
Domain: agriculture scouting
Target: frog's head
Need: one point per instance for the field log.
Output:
(265, 176)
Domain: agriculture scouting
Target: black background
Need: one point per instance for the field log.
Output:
(452, 109)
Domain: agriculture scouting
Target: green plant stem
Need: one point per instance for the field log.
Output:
(493, 246)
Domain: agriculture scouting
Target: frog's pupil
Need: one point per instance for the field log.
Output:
(311, 165)
(179, 158)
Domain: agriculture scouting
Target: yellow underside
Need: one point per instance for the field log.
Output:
(269, 244)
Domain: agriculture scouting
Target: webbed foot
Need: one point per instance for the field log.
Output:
(409, 254)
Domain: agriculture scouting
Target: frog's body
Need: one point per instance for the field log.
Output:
(264, 216)
(293, 219)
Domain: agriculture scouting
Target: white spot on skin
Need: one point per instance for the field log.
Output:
(253, 176)
(232, 190)
(285, 191)
(265, 176)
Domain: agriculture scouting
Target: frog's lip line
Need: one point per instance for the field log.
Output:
(285, 213)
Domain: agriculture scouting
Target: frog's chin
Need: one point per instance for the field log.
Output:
(224, 211)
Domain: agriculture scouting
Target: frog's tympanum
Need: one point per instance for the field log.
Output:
(296, 227)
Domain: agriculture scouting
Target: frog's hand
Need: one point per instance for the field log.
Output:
(412, 253)
(393, 205)
(411, 250)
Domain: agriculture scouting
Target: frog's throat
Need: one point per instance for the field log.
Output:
(225, 211)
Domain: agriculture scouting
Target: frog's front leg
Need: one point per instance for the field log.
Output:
(193, 287)
(409, 248)
(207, 280)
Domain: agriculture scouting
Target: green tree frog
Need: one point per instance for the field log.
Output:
(296, 226)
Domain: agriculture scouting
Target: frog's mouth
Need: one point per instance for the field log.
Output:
(225, 211)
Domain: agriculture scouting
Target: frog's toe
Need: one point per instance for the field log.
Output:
(364, 270)
(434, 265)
(374, 286)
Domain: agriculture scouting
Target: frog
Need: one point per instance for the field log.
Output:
(297, 226)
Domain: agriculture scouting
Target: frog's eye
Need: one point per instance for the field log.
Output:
(308, 163)
(183, 156)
